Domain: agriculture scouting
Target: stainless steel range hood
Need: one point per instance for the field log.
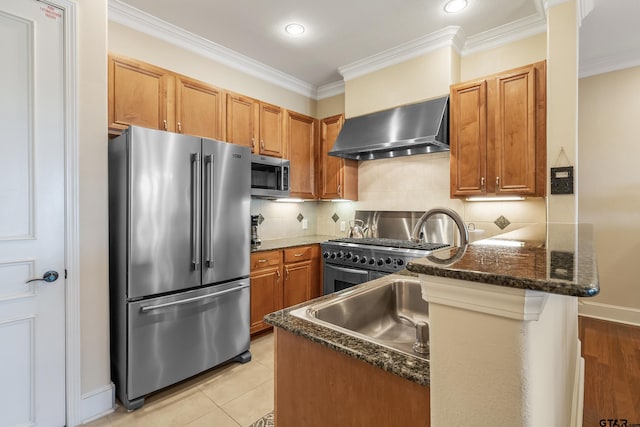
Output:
(403, 131)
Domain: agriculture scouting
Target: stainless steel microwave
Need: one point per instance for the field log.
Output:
(269, 177)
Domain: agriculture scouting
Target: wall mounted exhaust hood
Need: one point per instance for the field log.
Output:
(402, 131)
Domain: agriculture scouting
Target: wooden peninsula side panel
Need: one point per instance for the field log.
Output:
(316, 386)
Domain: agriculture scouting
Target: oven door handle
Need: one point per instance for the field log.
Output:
(348, 270)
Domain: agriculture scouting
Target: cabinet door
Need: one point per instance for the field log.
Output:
(331, 170)
(515, 132)
(137, 95)
(242, 120)
(265, 288)
(301, 147)
(297, 283)
(198, 108)
(270, 130)
(468, 138)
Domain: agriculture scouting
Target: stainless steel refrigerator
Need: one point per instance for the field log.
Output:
(179, 242)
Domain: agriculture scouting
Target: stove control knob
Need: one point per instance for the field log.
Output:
(400, 262)
(333, 255)
(363, 260)
(348, 255)
(388, 260)
(372, 261)
(380, 261)
(356, 258)
(326, 254)
(340, 254)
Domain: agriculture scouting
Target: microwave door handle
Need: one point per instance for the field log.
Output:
(209, 197)
(195, 211)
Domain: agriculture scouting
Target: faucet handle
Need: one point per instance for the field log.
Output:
(422, 338)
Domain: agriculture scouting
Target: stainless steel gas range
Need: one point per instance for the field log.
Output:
(386, 249)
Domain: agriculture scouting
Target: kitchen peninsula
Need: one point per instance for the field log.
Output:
(504, 346)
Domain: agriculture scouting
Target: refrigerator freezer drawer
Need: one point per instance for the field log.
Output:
(175, 337)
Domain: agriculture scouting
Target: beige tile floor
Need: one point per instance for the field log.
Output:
(230, 396)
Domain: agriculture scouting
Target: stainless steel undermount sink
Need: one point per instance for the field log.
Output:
(385, 311)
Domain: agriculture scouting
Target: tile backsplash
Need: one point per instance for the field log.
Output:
(413, 183)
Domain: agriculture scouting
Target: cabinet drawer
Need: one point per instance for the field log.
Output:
(265, 259)
(301, 253)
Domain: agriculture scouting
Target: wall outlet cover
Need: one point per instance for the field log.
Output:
(562, 180)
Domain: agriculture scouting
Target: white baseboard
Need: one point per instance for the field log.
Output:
(612, 313)
(97, 403)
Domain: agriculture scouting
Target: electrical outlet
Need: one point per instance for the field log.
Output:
(343, 226)
(305, 224)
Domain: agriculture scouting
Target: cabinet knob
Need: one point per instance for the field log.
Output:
(286, 273)
(482, 183)
(339, 187)
(164, 124)
(497, 182)
(262, 144)
(253, 144)
(278, 274)
(179, 127)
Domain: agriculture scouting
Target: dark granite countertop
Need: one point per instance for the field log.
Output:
(290, 242)
(553, 258)
(405, 366)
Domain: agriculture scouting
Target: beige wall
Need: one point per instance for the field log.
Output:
(512, 55)
(128, 42)
(331, 106)
(94, 245)
(421, 78)
(609, 190)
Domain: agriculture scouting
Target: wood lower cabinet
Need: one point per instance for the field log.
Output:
(498, 134)
(254, 124)
(282, 278)
(144, 95)
(266, 285)
(301, 150)
(338, 176)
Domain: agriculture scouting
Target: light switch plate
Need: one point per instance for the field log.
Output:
(305, 224)
(343, 226)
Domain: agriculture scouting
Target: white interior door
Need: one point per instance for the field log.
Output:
(32, 233)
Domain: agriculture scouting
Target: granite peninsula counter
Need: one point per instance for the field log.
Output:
(556, 258)
(507, 304)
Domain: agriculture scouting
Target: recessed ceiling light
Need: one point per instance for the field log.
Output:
(294, 29)
(455, 6)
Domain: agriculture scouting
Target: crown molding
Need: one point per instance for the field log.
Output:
(505, 34)
(447, 37)
(330, 89)
(607, 63)
(138, 20)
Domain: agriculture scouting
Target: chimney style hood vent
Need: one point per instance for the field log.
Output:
(402, 131)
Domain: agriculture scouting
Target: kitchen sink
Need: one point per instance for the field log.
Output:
(384, 311)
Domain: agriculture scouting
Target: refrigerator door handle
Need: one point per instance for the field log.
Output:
(148, 308)
(209, 197)
(195, 210)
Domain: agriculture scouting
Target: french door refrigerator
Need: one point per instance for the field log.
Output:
(179, 242)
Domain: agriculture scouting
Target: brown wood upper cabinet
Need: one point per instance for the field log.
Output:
(300, 149)
(254, 124)
(338, 177)
(145, 95)
(498, 134)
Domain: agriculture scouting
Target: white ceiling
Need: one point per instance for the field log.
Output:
(342, 32)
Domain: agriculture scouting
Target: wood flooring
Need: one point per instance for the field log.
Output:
(611, 353)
